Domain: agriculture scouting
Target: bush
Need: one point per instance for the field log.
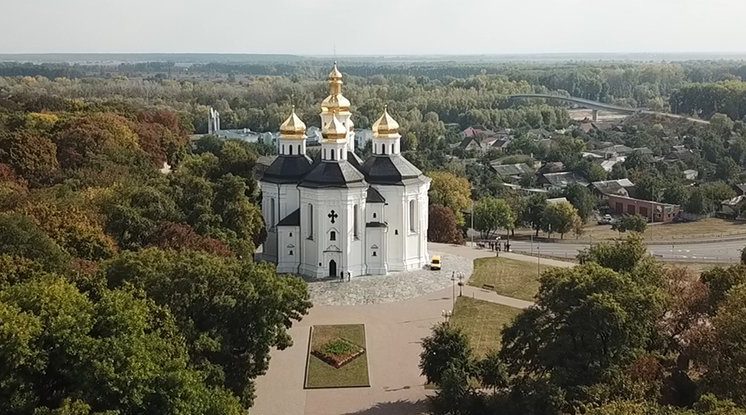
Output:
(634, 223)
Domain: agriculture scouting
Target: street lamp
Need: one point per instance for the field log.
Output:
(453, 288)
(460, 283)
(446, 315)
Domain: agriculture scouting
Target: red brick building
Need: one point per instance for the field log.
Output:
(653, 211)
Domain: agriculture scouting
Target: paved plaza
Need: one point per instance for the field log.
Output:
(397, 314)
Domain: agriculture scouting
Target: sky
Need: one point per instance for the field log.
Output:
(372, 27)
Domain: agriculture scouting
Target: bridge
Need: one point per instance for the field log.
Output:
(600, 106)
(586, 103)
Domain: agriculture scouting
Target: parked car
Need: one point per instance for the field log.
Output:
(606, 220)
(435, 263)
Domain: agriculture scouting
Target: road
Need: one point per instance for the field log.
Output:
(722, 251)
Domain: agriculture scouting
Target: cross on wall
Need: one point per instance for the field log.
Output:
(333, 215)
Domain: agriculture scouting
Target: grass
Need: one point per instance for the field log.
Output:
(511, 278)
(709, 228)
(320, 374)
(482, 322)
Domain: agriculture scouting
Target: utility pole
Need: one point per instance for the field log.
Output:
(472, 223)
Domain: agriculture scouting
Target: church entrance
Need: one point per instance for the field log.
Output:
(333, 268)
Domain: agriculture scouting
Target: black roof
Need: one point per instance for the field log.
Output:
(374, 196)
(292, 219)
(333, 174)
(287, 169)
(389, 169)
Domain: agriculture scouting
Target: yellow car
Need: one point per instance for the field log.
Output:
(435, 263)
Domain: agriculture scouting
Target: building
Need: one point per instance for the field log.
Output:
(653, 211)
(605, 188)
(559, 181)
(338, 215)
(511, 172)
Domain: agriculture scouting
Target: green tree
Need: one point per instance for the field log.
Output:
(534, 211)
(560, 218)
(67, 353)
(634, 223)
(447, 346)
(720, 281)
(621, 256)
(725, 355)
(588, 323)
(451, 191)
(20, 237)
(491, 214)
(231, 312)
(582, 199)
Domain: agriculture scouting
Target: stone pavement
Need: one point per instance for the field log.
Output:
(396, 286)
(393, 332)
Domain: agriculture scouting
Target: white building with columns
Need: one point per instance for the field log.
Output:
(340, 214)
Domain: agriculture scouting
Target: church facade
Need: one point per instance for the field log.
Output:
(339, 214)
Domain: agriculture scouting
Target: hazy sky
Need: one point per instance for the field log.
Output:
(360, 27)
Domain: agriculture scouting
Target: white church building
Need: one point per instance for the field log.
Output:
(339, 214)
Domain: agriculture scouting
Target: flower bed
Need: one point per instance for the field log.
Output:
(338, 352)
(337, 357)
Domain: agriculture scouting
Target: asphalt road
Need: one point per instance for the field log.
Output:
(724, 251)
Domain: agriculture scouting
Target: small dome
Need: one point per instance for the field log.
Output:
(335, 74)
(334, 130)
(293, 127)
(386, 126)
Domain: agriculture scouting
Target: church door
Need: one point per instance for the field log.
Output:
(332, 268)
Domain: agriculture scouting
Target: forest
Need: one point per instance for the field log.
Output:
(127, 279)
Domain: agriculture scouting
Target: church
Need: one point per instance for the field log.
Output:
(339, 214)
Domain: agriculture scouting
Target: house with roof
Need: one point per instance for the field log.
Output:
(559, 181)
(602, 189)
(510, 172)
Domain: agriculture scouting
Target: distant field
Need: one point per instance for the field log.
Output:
(710, 228)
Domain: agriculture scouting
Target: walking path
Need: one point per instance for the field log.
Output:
(394, 330)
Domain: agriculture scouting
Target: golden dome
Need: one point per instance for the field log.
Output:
(386, 126)
(293, 127)
(334, 130)
(335, 102)
(335, 74)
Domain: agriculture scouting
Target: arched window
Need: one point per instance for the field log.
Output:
(392, 149)
(272, 212)
(374, 215)
(333, 155)
(291, 150)
(355, 231)
(299, 152)
(310, 221)
(332, 236)
(412, 216)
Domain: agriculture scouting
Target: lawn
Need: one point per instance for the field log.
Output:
(709, 228)
(482, 322)
(511, 278)
(320, 374)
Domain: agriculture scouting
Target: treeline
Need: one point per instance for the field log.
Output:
(127, 281)
(707, 99)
